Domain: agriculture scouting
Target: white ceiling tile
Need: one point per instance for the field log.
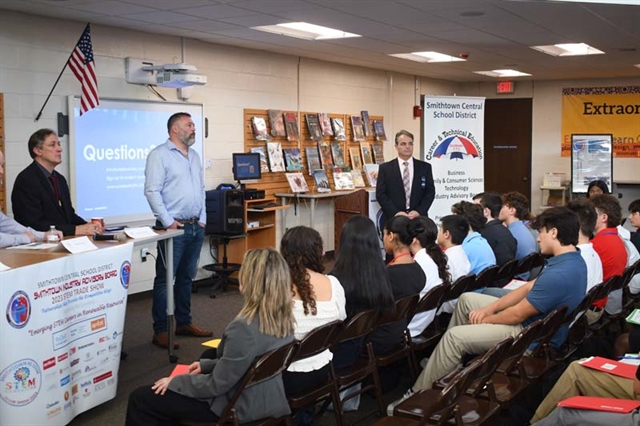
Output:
(216, 11)
(161, 17)
(170, 4)
(205, 26)
(110, 7)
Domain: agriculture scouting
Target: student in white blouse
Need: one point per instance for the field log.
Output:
(587, 217)
(317, 300)
(433, 262)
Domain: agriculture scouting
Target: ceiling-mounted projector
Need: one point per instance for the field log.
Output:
(177, 75)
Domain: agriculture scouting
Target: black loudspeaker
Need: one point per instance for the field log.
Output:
(225, 211)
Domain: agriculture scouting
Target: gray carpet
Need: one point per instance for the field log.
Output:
(146, 363)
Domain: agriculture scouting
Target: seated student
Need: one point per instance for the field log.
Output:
(502, 242)
(14, 234)
(451, 233)
(361, 271)
(609, 246)
(477, 248)
(515, 209)
(264, 323)
(634, 220)
(578, 380)
(597, 187)
(406, 276)
(40, 196)
(587, 216)
(481, 321)
(433, 262)
(317, 299)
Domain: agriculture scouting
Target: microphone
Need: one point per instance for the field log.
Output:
(110, 237)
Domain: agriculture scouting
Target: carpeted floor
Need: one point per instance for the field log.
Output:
(146, 363)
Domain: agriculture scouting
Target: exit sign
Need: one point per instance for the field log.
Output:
(504, 87)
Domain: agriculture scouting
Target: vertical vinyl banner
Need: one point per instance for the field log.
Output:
(453, 144)
(61, 335)
(597, 110)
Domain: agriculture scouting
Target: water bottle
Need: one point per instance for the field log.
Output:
(53, 236)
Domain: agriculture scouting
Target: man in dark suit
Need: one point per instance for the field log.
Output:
(40, 196)
(405, 185)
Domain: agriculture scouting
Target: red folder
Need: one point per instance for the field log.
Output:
(611, 405)
(616, 368)
(179, 370)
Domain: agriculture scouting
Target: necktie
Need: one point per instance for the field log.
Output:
(54, 183)
(407, 184)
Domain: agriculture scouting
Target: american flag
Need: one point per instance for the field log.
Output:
(84, 68)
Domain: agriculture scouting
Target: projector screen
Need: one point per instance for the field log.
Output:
(108, 149)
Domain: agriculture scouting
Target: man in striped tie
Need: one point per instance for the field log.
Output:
(405, 184)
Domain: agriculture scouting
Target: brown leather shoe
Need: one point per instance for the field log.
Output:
(192, 330)
(161, 340)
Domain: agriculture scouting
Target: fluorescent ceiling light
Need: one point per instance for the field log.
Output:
(637, 65)
(430, 57)
(305, 31)
(623, 2)
(502, 73)
(568, 49)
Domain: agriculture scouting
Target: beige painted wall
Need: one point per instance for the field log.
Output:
(547, 123)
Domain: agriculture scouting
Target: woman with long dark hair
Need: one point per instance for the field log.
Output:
(597, 187)
(361, 271)
(433, 262)
(406, 276)
(317, 299)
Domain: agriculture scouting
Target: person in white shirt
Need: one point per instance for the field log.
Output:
(587, 217)
(317, 300)
(433, 262)
(452, 232)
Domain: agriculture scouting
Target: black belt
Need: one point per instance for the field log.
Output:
(189, 221)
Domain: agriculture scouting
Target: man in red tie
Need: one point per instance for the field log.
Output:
(40, 196)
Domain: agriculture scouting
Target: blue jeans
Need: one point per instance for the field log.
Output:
(186, 253)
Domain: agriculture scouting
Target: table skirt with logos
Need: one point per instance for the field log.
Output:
(61, 335)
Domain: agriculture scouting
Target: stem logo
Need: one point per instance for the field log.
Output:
(20, 382)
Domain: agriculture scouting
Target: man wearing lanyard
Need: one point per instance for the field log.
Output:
(174, 187)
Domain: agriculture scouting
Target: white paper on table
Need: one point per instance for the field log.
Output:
(4, 267)
(139, 232)
(34, 246)
(76, 245)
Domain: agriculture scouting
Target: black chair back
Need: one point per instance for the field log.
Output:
(484, 278)
(458, 287)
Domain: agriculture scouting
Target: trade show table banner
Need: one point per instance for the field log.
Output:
(61, 337)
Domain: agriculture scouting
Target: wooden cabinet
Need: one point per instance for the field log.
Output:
(262, 235)
(347, 206)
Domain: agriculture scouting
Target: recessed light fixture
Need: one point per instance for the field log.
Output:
(429, 57)
(305, 31)
(503, 73)
(568, 49)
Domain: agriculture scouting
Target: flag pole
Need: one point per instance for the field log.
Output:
(59, 75)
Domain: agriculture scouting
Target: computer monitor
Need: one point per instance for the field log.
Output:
(246, 166)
